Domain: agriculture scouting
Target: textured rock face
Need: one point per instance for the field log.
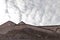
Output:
(38, 13)
(8, 26)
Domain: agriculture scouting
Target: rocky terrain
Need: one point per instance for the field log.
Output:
(22, 31)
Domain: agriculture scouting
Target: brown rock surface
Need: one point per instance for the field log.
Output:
(22, 31)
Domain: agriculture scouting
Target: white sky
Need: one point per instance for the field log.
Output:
(52, 10)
